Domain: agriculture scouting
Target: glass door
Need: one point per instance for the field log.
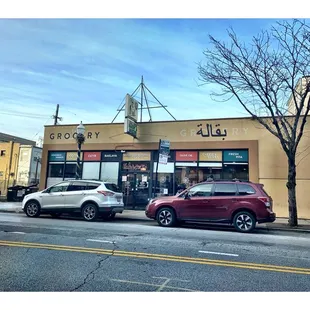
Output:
(135, 187)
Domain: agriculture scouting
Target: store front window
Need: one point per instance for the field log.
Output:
(56, 170)
(70, 170)
(91, 165)
(210, 165)
(186, 171)
(205, 173)
(234, 171)
(109, 172)
(236, 164)
(164, 186)
(55, 173)
(91, 171)
(185, 176)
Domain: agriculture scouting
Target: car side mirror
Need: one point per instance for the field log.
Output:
(46, 191)
(187, 195)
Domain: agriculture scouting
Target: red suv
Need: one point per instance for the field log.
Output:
(242, 204)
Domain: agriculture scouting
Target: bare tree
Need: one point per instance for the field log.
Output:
(264, 76)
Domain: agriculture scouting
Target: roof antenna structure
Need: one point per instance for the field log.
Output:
(144, 90)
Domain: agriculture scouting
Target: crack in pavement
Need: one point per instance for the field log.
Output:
(92, 273)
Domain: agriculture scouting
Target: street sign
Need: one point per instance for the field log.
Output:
(164, 150)
(130, 127)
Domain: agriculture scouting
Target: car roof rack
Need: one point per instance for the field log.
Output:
(228, 180)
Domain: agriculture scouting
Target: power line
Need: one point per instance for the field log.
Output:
(41, 127)
(24, 115)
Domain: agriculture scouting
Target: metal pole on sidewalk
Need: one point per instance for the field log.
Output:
(80, 138)
(156, 172)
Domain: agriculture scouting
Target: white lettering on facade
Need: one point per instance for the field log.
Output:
(193, 132)
(183, 132)
(235, 131)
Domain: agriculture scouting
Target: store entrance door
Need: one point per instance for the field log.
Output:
(136, 189)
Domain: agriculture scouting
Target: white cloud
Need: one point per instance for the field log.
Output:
(88, 66)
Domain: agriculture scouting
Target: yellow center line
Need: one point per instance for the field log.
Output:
(163, 257)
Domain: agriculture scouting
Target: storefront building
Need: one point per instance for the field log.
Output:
(223, 148)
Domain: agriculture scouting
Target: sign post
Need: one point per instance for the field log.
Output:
(162, 158)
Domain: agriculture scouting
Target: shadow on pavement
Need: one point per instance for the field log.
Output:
(194, 226)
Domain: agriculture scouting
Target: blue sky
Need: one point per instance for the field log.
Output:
(88, 66)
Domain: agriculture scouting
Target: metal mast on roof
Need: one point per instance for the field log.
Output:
(143, 98)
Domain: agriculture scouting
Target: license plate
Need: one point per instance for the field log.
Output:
(118, 199)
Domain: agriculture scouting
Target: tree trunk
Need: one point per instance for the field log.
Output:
(291, 186)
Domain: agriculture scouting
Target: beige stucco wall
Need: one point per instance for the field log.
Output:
(267, 161)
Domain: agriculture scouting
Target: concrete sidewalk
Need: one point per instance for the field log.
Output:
(279, 224)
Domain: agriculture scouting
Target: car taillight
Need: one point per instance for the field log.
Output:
(106, 193)
(265, 200)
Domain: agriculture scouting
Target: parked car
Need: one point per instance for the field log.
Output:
(90, 198)
(241, 204)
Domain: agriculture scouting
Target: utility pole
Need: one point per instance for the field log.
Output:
(56, 117)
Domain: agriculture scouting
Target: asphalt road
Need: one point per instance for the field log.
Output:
(46, 254)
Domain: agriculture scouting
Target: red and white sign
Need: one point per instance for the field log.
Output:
(186, 156)
(92, 156)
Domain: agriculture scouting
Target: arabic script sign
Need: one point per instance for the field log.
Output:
(208, 131)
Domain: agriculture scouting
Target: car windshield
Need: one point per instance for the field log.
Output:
(112, 187)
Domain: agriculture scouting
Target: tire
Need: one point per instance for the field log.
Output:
(33, 209)
(110, 216)
(55, 215)
(244, 222)
(90, 212)
(166, 217)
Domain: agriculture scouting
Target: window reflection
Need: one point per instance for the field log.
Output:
(235, 171)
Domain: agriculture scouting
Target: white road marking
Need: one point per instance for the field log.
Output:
(98, 240)
(18, 232)
(219, 253)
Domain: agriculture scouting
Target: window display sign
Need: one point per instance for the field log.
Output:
(135, 166)
(110, 156)
(210, 155)
(186, 156)
(92, 156)
(236, 156)
(137, 156)
(171, 156)
(72, 156)
(57, 156)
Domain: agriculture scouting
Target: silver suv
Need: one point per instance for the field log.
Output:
(90, 198)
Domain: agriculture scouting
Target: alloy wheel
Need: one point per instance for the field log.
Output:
(32, 209)
(89, 213)
(165, 217)
(244, 222)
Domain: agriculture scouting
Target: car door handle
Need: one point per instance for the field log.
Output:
(206, 201)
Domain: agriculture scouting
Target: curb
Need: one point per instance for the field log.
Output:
(285, 229)
(11, 211)
(301, 230)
